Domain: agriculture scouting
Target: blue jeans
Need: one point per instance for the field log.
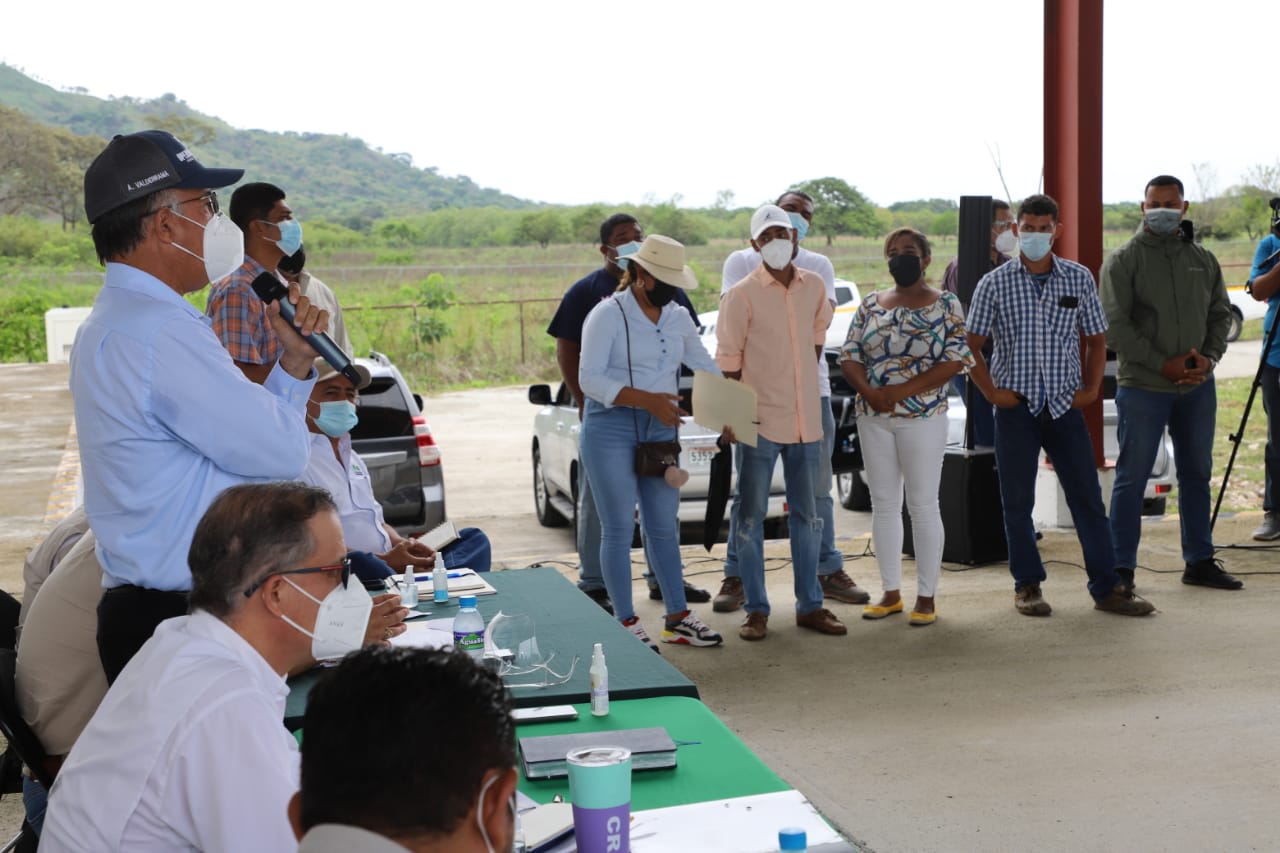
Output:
(799, 467)
(470, 550)
(34, 800)
(589, 575)
(1191, 420)
(830, 560)
(1019, 437)
(607, 444)
(1271, 456)
(981, 412)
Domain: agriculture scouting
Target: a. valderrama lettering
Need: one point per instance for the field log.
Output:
(158, 176)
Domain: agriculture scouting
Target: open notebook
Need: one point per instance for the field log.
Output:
(461, 582)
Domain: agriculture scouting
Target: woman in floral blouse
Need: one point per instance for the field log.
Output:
(903, 347)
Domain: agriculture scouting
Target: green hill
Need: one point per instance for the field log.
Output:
(339, 178)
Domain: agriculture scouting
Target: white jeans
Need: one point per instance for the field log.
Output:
(908, 451)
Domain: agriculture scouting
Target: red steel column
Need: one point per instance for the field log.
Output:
(1073, 140)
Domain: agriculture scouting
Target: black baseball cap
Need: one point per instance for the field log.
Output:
(139, 164)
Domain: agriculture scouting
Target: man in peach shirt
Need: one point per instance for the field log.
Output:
(772, 325)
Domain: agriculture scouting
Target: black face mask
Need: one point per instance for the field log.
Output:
(661, 294)
(905, 269)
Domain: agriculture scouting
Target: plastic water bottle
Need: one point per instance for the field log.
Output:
(468, 627)
(440, 583)
(599, 683)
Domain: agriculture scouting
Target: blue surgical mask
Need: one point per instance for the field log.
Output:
(336, 418)
(1035, 245)
(798, 222)
(623, 251)
(290, 235)
(1162, 220)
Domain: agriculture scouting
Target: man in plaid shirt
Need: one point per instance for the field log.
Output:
(1034, 311)
(239, 317)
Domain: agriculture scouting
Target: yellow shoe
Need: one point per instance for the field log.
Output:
(876, 611)
(918, 618)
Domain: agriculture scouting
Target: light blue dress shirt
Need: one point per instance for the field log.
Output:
(657, 350)
(166, 421)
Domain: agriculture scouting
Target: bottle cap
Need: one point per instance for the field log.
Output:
(467, 601)
(597, 651)
(792, 838)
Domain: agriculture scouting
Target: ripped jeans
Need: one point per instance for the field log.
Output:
(799, 467)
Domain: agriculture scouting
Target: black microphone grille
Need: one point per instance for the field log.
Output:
(268, 287)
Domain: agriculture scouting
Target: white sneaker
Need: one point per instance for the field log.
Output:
(690, 631)
(638, 631)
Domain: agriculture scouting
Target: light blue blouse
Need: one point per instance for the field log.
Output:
(657, 350)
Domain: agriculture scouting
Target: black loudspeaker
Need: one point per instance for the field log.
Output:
(972, 514)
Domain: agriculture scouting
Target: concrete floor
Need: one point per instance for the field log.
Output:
(994, 731)
(986, 731)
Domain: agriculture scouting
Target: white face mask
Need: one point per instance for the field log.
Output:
(776, 254)
(340, 622)
(1007, 242)
(223, 248)
(515, 817)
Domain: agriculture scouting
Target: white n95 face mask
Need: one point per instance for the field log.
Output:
(1007, 242)
(223, 248)
(341, 621)
(777, 254)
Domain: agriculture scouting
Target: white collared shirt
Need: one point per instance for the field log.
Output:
(186, 752)
(339, 838)
(363, 524)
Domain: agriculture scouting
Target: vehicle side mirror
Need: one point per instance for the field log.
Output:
(540, 395)
(417, 398)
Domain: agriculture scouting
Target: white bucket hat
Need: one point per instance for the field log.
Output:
(663, 258)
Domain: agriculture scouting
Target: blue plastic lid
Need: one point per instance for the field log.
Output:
(466, 601)
(792, 838)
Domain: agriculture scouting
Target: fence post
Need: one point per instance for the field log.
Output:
(522, 361)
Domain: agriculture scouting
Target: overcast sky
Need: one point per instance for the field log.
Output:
(571, 101)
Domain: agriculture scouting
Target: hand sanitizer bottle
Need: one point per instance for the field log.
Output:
(440, 582)
(599, 683)
(408, 589)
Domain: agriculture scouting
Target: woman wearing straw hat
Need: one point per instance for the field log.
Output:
(632, 347)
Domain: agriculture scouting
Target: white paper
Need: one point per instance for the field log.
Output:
(438, 537)
(720, 402)
(435, 634)
(737, 825)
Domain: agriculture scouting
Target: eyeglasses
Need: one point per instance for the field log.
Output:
(344, 566)
(550, 678)
(1001, 224)
(210, 200)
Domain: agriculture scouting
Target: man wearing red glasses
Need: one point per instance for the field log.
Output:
(187, 752)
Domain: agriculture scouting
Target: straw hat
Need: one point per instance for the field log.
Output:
(663, 258)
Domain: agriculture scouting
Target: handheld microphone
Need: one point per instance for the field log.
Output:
(270, 289)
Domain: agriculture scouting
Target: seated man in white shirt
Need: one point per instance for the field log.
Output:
(353, 776)
(334, 466)
(187, 750)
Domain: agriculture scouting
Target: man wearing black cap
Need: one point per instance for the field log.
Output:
(165, 420)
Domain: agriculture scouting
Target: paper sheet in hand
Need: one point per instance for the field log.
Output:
(718, 402)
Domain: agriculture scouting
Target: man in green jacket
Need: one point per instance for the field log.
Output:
(1168, 312)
